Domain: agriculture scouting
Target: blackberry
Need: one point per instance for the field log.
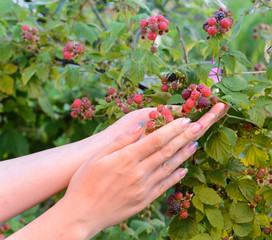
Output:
(220, 15)
(173, 77)
(174, 208)
(205, 26)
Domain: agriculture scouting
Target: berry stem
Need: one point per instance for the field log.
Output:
(152, 226)
(218, 68)
(244, 119)
(102, 115)
(183, 45)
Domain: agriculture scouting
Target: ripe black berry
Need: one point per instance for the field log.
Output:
(173, 77)
(174, 208)
(203, 102)
(186, 94)
(219, 15)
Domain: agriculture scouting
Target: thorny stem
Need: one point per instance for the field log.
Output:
(103, 24)
(80, 12)
(183, 45)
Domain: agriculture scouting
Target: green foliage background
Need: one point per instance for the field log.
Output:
(37, 88)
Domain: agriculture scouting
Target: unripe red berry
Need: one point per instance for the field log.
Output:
(73, 114)
(186, 109)
(85, 99)
(6, 226)
(166, 112)
(143, 23)
(168, 214)
(87, 105)
(255, 36)
(80, 49)
(225, 23)
(267, 231)
(34, 31)
(270, 181)
(151, 35)
(260, 174)
(203, 102)
(126, 110)
(224, 48)
(170, 199)
(111, 91)
(212, 21)
(164, 80)
(178, 196)
(153, 20)
(257, 198)
(25, 28)
(129, 101)
(77, 103)
(153, 115)
(164, 88)
(2, 236)
(143, 31)
(186, 94)
(195, 94)
(153, 49)
(1, 229)
(270, 172)
(225, 239)
(192, 87)
(108, 99)
(200, 87)
(267, 27)
(206, 92)
(261, 25)
(166, 21)
(160, 108)
(89, 114)
(252, 206)
(160, 18)
(183, 214)
(138, 98)
(151, 125)
(67, 55)
(190, 103)
(212, 31)
(175, 86)
(154, 27)
(248, 127)
(168, 118)
(214, 100)
(162, 26)
(77, 110)
(186, 204)
(30, 36)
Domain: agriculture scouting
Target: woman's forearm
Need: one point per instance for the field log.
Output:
(33, 178)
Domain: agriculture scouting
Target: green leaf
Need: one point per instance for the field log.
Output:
(28, 73)
(235, 166)
(256, 156)
(9, 69)
(257, 115)
(269, 71)
(26, 112)
(237, 98)
(227, 219)
(230, 134)
(234, 193)
(203, 71)
(235, 83)
(183, 229)
(236, 29)
(90, 33)
(117, 27)
(241, 58)
(12, 142)
(6, 51)
(197, 203)
(241, 212)
(248, 188)
(230, 61)
(209, 196)
(197, 173)
(153, 63)
(202, 236)
(214, 216)
(176, 99)
(137, 73)
(72, 77)
(125, 68)
(214, 45)
(141, 4)
(6, 84)
(160, 97)
(267, 195)
(218, 146)
(217, 177)
(242, 230)
(45, 104)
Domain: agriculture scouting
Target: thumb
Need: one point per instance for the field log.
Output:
(124, 139)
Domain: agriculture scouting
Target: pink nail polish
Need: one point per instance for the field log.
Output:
(196, 128)
(185, 122)
(136, 128)
(193, 146)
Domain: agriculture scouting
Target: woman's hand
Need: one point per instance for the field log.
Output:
(109, 189)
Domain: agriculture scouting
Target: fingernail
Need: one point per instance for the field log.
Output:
(136, 128)
(227, 106)
(196, 127)
(185, 122)
(186, 170)
(183, 172)
(193, 146)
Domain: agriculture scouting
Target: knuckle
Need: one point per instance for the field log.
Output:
(138, 176)
(167, 151)
(120, 140)
(162, 187)
(157, 141)
(166, 168)
(140, 194)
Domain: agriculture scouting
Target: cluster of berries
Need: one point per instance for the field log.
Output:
(30, 35)
(261, 30)
(260, 67)
(72, 50)
(178, 204)
(82, 108)
(220, 23)
(3, 228)
(135, 101)
(146, 213)
(152, 27)
(171, 81)
(196, 96)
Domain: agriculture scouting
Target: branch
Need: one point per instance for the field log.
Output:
(239, 73)
(104, 25)
(183, 45)
(80, 12)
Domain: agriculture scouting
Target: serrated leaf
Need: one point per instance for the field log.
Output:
(230, 61)
(141, 4)
(137, 74)
(257, 115)
(117, 27)
(216, 177)
(214, 45)
(242, 230)
(235, 83)
(237, 98)
(9, 69)
(234, 193)
(197, 203)
(236, 29)
(202, 236)
(209, 196)
(72, 77)
(176, 99)
(248, 188)
(218, 146)
(241, 58)
(160, 97)
(241, 212)
(197, 173)
(241, 145)
(269, 71)
(255, 156)
(227, 219)
(235, 166)
(45, 104)
(28, 73)
(230, 134)
(203, 71)
(90, 33)
(267, 195)
(125, 68)
(214, 216)
(6, 51)
(183, 229)
(262, 141)
(6, 84)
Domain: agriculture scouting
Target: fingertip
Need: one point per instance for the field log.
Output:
(136, 129)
